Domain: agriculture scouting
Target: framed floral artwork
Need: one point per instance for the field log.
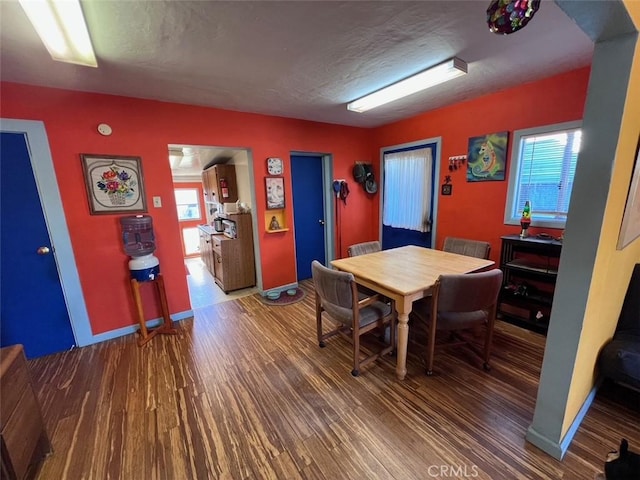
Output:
(275, 192)
(114, 184)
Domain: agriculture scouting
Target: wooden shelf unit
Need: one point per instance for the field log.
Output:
(23, 437)
(530, 267)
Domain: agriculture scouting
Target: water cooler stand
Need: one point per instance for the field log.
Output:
(144, 267)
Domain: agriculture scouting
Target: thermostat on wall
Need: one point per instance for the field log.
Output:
(104, 129)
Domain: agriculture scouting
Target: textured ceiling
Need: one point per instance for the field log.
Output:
(302, 59)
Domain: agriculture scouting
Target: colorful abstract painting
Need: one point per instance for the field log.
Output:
(487, 157)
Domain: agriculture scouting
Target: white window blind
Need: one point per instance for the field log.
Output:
(407, 189)
(543, 165)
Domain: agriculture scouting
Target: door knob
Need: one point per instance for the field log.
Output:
(43, 250)
(321, 222)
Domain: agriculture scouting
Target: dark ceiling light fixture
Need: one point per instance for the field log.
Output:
(508, 16)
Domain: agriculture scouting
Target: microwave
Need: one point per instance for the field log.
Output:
(230, 229)
(229, 208)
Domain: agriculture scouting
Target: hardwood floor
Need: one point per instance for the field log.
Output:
(244, 392)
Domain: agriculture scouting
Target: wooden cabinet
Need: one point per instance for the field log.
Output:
(24, 439)
(530, 267)
(206, 247)
(219, 183)
(231, 261)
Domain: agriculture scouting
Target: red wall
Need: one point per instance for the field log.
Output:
(476, 209)
(144, 128)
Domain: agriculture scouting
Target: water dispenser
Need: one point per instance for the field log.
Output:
(139, 244)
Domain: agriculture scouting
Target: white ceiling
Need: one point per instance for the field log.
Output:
(188, 161)
(301, 59)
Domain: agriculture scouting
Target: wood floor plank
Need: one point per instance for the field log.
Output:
(244, 392)
(285, 467)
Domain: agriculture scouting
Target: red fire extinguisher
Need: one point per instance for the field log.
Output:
(224, 188)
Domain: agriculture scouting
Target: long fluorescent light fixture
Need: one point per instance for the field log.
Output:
(61, 27)
(452, 68)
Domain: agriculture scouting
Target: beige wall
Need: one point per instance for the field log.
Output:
(612, 268)
(243, 180)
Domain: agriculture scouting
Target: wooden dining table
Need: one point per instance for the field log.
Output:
(406, 274)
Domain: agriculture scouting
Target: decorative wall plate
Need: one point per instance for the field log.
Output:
(274, 166)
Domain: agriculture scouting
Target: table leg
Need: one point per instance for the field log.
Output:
(403, 340)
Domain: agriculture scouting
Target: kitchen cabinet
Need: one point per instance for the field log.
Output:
(206, 247)
(24, 439)
(220, 185)
(231, 261)
(530, 267)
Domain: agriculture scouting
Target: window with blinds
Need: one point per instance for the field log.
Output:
(543, 163)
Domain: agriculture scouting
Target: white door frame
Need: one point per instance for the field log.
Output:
(47, 185)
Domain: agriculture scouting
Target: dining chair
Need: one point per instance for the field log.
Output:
(363, 248)
(460, 302)
(337, 296)
(463, 246)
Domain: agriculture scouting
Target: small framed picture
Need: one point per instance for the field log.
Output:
(446, 189)
(275, 192)
(114, 184)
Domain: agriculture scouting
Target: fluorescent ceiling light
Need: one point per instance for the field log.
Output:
(61, 27)
(452, 68)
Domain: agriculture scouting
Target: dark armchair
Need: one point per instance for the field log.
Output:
(619, 359)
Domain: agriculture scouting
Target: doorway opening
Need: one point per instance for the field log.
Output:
(196, 213)
(394, 237)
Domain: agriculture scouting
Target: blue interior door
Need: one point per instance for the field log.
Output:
(399, 237)
(308, 212)
(32, 307)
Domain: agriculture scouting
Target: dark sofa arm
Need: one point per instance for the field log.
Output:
(620, 360)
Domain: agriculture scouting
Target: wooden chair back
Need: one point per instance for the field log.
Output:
(463, 246)
(461, 302)
(363, 248)
(337, 295)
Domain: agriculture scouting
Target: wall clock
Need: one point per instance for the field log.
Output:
(274, 166)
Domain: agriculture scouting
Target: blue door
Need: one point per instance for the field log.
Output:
(308, 212)
(399, 237)
(32, 307)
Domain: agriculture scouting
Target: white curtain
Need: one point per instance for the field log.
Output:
(407, 189)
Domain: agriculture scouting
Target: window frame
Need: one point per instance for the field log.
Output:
(514, 173)
(195, 219)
